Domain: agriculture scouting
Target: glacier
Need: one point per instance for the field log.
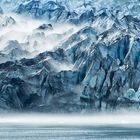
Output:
(62, 56)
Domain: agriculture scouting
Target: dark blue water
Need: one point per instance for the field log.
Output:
(28, 132)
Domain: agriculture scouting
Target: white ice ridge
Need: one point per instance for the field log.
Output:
(99, 119)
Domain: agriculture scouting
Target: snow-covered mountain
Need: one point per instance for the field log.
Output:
(67, 56)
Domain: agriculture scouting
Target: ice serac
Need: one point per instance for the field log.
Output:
(1, 11)
(94, 66)
(49, 10)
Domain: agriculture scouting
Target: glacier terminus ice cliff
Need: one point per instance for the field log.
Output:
(69, 56)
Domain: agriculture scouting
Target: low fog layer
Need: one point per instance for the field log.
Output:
(25, 31)
(120, 118)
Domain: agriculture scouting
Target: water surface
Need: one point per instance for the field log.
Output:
(45, 132)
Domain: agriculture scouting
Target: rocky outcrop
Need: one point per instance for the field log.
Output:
(45, 27)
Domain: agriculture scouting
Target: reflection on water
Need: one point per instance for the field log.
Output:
(34, 132)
